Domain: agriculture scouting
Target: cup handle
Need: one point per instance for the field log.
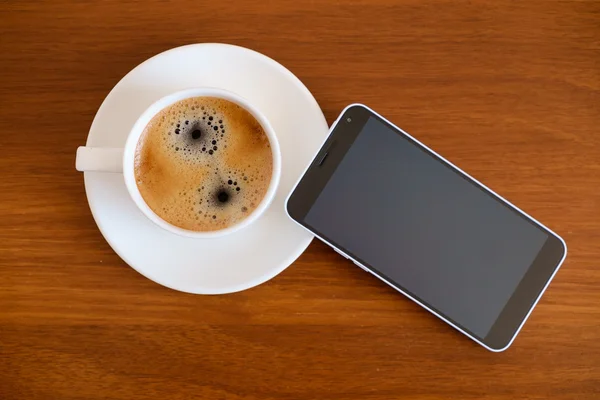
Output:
(99, 159)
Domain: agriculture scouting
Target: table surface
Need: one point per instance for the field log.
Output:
(509, 91)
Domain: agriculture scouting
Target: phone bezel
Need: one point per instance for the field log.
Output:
(538, 276)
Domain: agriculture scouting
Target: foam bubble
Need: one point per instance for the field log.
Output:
(180, 161)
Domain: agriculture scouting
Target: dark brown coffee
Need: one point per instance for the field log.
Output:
(203, 164)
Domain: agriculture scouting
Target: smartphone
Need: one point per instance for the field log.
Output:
(403, 213)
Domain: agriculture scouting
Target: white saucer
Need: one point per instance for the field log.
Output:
(207, 266)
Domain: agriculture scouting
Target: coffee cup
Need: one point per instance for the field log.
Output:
(123, 160)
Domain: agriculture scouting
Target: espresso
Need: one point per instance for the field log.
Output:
(203, 164)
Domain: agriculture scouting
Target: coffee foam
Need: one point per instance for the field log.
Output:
(203, 164)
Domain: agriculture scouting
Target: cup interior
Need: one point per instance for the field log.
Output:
(155, 108)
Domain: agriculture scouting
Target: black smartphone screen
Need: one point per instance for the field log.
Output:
(421, 224)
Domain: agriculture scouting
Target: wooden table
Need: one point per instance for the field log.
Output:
(508, 90)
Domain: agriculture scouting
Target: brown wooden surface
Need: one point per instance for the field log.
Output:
(509, 90)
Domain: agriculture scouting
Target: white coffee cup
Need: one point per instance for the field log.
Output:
(118, 160)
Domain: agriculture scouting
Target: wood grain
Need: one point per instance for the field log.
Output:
(510, 91)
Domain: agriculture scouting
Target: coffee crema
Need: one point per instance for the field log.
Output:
(203, 164)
